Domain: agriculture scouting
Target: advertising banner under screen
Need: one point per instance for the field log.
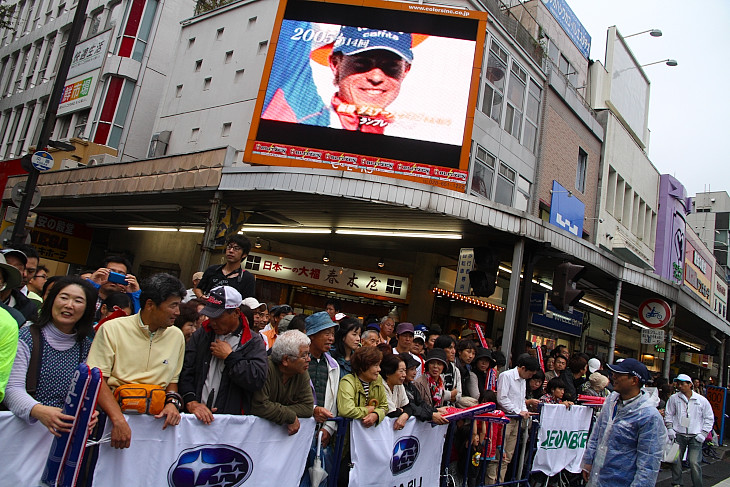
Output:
(387, 91)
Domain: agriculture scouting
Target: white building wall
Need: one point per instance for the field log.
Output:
(234, 85)
(629, 193)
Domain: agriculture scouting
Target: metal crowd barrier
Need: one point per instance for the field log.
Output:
(517, 474)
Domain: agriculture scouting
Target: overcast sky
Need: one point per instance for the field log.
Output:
(689, 107)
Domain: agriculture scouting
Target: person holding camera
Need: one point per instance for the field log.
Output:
(113, 276)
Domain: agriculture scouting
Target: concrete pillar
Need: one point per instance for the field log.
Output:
(513, 298)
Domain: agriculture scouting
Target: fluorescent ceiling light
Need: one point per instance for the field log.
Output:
(283, 230)
(192, 230)
(153, 229)
(387, 233)
(116, 209)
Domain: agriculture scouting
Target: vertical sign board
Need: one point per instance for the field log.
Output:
(316, 109)
(717, 397)
(566, 210)
(466, 263)
(698, 267)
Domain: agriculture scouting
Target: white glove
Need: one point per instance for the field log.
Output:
(671, 434)
(701, 437)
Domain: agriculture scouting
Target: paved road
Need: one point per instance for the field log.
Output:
(716, 474)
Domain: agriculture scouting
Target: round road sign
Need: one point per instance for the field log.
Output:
(42, 160)
(655, 313)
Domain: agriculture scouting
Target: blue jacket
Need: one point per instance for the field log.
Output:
(626, 449)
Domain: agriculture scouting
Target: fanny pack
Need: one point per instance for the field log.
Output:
(140, 398)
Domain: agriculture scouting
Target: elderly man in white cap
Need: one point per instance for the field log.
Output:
(689, 419)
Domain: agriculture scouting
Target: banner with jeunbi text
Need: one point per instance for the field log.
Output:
(231, 451)
(383, 456)
(562, 438)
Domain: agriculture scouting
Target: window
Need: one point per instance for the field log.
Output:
(120, 118)
(494, 85)
(219, 34)
(206, 84)
(115, 14)
(82, 119)
(532, 112)
(194, 134)
(145, 27)
(198, 65)
(483, 173)
(23, 134)
(580, 175)
(191, 42)
(229, 57)
(41, 78)
(505, 185)
(515, 101)
(178, 91)
(252, 22)
(226, 130)
(238, 76)
(567, 70)
(262, 46)
(94, 22)
(522, 197)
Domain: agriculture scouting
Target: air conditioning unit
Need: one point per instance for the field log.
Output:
(159, 143)
(100, 159)
(70, 164)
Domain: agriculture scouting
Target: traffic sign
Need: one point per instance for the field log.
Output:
(42, 160)
(655, 313)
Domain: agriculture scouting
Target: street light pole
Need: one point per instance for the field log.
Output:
(49, 121)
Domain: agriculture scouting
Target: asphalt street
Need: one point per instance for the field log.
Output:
(716, 474)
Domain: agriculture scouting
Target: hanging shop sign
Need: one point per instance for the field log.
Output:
(655, 313)
(327, 276)
(466, 263)
(550, 317)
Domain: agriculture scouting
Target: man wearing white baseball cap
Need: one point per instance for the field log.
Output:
(689, 419)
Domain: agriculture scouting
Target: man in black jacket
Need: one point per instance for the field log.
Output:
(12, 296)
(224, 361)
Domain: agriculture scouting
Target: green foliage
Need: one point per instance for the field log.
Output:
(6, 16)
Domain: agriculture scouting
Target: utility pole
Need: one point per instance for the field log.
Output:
(49, 121)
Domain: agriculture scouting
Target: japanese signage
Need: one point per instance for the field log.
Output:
(563, 321)
(698, 267)
(670, 230)
(717, 396)
(331, 277)
(652, 336)
(566, 210)
(78, 93)
(89, 55)
(466, 263)
(59, 239)
(570, 24)
(700, 359)
(720, 296)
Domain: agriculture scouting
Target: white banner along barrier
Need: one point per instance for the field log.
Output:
(231, 451)
(385, 457)
(562, 438)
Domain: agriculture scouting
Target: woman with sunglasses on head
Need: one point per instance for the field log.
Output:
(62, 335)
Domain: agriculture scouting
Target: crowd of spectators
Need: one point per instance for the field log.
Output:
(215, 349)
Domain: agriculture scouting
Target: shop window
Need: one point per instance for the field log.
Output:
(253, 263)
(393, 286)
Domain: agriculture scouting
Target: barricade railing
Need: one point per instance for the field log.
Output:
(524, 451)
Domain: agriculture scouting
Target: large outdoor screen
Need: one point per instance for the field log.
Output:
(385, 90)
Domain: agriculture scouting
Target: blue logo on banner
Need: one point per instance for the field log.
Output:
(566, 210)
(405, 453)
(570, 24)
(220, 465)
